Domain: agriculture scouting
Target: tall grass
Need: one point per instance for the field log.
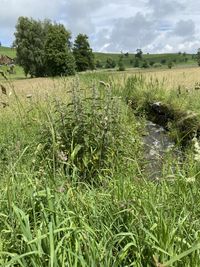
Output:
(73, 192)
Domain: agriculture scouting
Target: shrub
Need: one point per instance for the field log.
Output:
(86, 139)
(157, 65)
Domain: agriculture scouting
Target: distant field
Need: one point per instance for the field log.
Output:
(129, 59)
(10, 52)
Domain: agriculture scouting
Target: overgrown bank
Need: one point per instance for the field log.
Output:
(73, 192)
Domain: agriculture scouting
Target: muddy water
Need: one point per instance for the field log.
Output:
(157, 146)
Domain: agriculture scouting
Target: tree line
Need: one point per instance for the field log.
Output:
(44, 48)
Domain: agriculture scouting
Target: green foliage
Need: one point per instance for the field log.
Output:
(42, 48)
(170, 64)
(145, 64)
(163, 61)
(99, 64)
(137, 63)
(49, 219)
(83, 53)
(198, 57)
(58, 57)
(110, 63)
(139, 53)
(29, 42)
(157, 65)
(121, 64)
(88, 136)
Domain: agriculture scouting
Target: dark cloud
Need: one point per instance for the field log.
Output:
(184, 28)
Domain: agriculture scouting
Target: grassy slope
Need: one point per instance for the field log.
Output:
(7, 51)
(156, 58)
(103, 57)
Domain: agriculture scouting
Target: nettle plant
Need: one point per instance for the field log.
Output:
(85, 138)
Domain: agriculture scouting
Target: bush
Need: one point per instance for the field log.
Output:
(121, 64)
(157, 65)
(170, 64)
(110, 63)
(145, 64)
(88, 138)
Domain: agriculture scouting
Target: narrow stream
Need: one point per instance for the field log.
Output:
(157, 145)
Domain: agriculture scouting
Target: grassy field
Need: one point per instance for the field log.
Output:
(73, 188)
(8, 51)
(177, 59)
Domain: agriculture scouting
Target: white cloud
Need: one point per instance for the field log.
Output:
(153, 25)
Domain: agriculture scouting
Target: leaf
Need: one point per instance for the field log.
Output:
(75, 151)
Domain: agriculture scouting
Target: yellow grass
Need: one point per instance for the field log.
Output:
(38, 87)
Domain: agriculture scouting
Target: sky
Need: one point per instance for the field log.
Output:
(155, 26)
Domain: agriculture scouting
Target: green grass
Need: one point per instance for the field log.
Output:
(10, 52)
(73, 187)
(155, 58)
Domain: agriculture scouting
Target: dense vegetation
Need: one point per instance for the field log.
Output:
(44, 48)
(152, 60)
(73, 184)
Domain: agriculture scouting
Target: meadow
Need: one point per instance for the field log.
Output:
(74, 189)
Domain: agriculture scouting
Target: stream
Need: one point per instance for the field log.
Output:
(157, 146)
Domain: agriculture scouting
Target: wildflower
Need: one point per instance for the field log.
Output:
(196, 149)
(62, 156)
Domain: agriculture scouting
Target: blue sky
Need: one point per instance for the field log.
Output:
(156, 26)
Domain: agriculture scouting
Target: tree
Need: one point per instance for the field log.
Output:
(170, 64)
(99, 64)
(83, 53)
(58, 57)
(137, 63)
(145, 64)
(29, 43)
(43, 48)
(121, 64)
(110, 63)
(139, 53)
(198, 57)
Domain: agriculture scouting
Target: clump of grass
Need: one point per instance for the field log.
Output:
(89, 135)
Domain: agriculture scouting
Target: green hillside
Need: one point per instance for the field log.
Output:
(129, 59)
(159, 60)
(10, 52)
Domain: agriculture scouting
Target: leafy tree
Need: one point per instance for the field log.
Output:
(121, 64)
(43, 48)
(151, 63)
(198, 57)
(99, 64)
(137, 63)
(83, 53)
(110, 63)
(163, 61)
(58, 57)
(139, 53)
(145, 64)
(29, 43)
(170, 64)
